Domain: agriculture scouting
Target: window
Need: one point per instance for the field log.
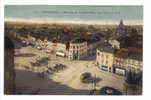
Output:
(97, 63)
(106, 62)
(98, 54)
(138, 70)
(110, 69)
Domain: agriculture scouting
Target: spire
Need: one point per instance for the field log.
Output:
(121, 24)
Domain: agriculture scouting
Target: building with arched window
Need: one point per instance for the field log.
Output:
(77, 49)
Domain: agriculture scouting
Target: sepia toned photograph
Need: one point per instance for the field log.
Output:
(73, 50)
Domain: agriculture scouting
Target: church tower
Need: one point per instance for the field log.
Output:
(121, 25)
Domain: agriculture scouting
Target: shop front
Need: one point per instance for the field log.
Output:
(105, 68)
(120, 71)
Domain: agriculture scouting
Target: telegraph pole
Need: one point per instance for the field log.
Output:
(93, 85)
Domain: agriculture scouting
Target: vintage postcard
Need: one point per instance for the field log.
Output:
(73, 50)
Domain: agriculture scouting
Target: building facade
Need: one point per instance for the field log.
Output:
(109, 60)
(57, 47)
(77, 49)
(115, 43)
(104, 57)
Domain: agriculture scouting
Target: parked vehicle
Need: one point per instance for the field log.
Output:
(85, 77)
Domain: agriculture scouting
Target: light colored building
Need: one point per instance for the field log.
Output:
(126, 60)
(74, 50)
(81, 48)
(77, 49)
(104, 57)
(118, 61)
(117, 42)
(135, 62)
(57, 47)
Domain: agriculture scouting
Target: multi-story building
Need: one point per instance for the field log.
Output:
(104, 57)
(77, 49)
(118, 61)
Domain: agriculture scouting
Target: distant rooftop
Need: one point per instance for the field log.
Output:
(120, 38)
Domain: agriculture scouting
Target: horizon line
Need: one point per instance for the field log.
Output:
(57, 21)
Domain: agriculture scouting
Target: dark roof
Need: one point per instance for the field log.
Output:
(50, 40)
(93, 39)
(78, 40)
(135, 56)
(120, 38)
(35, 35)
(106, 47)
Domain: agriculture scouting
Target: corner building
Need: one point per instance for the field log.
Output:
(78, 49)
